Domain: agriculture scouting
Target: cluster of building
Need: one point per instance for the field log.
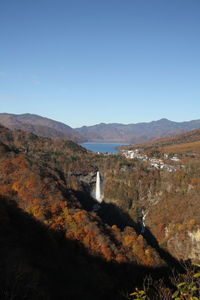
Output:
(154, 162)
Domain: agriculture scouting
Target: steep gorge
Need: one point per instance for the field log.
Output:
(53, 182)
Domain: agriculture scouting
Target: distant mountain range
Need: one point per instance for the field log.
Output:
(115, 132)
(136, 133)
(185, 143)
(40, 126)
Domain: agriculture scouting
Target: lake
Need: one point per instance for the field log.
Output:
(102, 147)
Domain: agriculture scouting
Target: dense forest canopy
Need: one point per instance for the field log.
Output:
(147, 223)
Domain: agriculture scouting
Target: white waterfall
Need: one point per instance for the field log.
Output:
(98, 195)
(143, 221)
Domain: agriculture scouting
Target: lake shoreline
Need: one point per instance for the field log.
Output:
(103, 147)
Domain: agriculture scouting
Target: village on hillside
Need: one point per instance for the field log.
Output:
(157, 163)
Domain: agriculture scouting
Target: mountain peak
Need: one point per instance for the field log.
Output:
(40, 126)
(135, 133)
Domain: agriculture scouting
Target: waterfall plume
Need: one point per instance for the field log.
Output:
(98, 195)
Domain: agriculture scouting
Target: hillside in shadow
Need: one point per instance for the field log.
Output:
(59, 243)
(112, 214)
(39, 263)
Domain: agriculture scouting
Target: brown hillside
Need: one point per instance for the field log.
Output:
(41, 175)
(40, 126)
(186, 142)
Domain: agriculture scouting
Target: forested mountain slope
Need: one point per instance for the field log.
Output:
(42, 177)
(136, 133)
(46, 187)
(180, 140)
(40, 126)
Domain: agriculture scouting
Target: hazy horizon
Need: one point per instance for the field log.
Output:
(107, 123)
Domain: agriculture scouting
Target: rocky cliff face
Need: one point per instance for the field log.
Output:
(168, 200)
(185, 245)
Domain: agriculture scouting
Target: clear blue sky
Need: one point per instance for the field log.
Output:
(88, 61)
